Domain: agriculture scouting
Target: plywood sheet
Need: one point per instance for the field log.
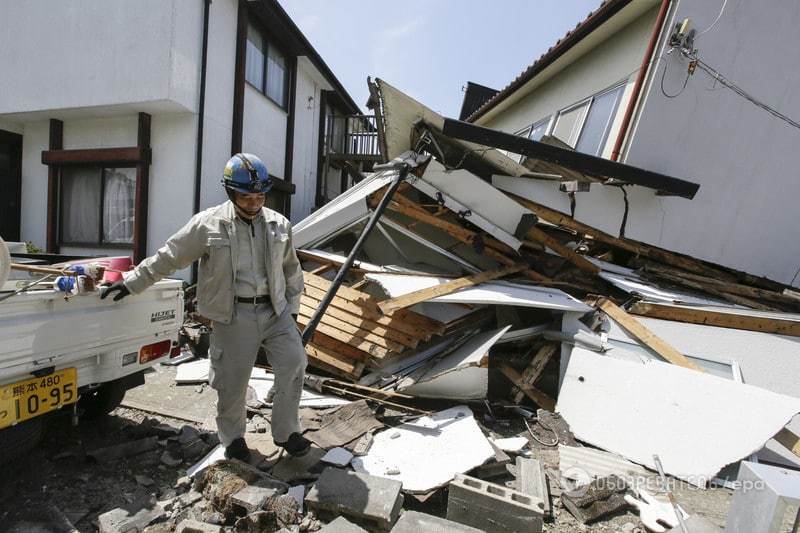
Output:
(695, 422)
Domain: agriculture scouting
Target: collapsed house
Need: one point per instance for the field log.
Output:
(467, 291)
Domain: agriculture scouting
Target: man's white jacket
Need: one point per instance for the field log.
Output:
(210, 236)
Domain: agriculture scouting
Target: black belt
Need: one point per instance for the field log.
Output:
(253, 299)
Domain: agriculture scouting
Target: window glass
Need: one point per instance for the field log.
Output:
(598, 122)
(569, 122)
(254, 59)
(80, 204)
(118, 205)
(97, 205)
(276, 76)
(539, 129)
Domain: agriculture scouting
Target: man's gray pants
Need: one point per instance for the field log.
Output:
(233, 352)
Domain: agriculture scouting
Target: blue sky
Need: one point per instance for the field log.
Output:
(431, 48)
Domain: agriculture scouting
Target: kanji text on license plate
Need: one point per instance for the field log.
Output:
(33, 397)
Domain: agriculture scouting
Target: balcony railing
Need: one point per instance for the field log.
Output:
(352, 138)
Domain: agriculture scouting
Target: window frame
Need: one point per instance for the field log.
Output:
(287, 74)
(610, 120)
(100, 243)
(590, 100)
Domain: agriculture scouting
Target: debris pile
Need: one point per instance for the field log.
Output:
(504, 366)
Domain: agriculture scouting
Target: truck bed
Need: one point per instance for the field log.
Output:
(41, 330)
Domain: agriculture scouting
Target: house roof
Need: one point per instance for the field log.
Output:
(607, 9)
(290, 35)
(474, 97)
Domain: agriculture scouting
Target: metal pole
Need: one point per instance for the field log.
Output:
(337, 281)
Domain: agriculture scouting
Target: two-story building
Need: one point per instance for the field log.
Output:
(117, 117)
(686, 88)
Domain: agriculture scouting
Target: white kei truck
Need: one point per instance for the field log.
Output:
(80, 353)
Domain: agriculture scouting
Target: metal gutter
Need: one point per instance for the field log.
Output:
(637, 87)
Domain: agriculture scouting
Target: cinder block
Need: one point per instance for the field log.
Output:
(492, 507)
(341, 525)
(414, 522)
(195, 526)
(134, 517)
(252, 498)
(342, 492)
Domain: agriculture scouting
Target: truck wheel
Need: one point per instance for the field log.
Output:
(17, 440)
(102, 400)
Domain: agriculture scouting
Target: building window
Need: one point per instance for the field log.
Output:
(265, 67)
(538, 129)
(569, 122)
(598, 121)
(585, 126)
(97, 205)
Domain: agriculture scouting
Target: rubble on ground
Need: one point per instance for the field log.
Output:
(494, 364)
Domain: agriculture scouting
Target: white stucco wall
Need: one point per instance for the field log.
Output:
(33, 206)
(219, 99)
(306, 143)
(264, 130)
(745, 214)
(98, 53)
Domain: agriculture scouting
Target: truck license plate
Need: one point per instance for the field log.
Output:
(36, 396)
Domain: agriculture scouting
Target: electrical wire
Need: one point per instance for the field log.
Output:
(722, 80)
(719, 16)
(663, 75)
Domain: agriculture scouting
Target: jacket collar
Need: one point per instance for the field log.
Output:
(228, 213)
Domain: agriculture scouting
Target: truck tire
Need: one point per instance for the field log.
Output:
(102, 400)
(16, 441)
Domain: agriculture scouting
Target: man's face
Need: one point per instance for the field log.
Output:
(251, 203)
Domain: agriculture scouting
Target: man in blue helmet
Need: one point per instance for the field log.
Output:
(249, 285)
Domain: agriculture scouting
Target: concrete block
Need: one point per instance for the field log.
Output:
(414, 522)
(531, 480)
(252, 498)
(341, 525)
(597, 499)
(760, 501)
(492, 507)
(195, 526)
(134, 517)
(361, 496)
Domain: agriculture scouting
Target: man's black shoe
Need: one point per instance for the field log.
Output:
(237, 450)
(296, 446)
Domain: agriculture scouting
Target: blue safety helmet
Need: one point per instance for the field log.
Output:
(246, 173)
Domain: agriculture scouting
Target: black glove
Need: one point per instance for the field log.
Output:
(116, 287)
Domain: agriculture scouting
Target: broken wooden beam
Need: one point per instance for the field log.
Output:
(570, 255)
(422, 295)
(644, 335)
(539, 398)
(724, 318)
(536, 367)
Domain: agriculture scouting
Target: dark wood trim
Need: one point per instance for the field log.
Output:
(142, 190)
(282, 185)
(288, 160)
(115, 157)
(570, 159)
(10, 221)
(53, 172)
(323, 104)
(237, 121)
